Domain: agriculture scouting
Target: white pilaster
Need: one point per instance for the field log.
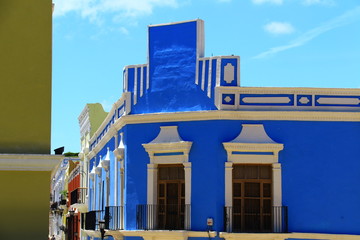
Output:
(277, 189)
(228, 184)
(151, 183)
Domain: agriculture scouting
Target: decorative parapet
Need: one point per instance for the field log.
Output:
(217, 71)
(136, 80)
(274, 99)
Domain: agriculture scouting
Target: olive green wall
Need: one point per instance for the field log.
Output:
(25, 76)
(24, 205)
(97, 115)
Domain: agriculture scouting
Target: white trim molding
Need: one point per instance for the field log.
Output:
(284, 236)
(29, 162)
(160, 234)
(253, 146)
(168, 148)
(317, 116)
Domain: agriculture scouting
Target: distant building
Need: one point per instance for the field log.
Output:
(25, 122)
(187, 153)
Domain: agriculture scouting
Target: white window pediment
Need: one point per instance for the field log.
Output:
(253, 145)
(168, 147)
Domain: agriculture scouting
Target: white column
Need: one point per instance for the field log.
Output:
(116, 172)
(228, 184)
(228, 194)
(151, 183)
(277, 195)
(187, 169)
(94, 194)
(122, 185)
(107, 187)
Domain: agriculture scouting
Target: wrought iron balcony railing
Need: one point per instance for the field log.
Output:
(272, 220)
(90, 220)
(114, 217)
(163, 217)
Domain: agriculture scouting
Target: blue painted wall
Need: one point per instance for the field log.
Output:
(320, 160)
(319, 169)
(172, 70)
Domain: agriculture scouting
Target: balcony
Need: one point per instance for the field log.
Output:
(90, 220)
(256, 220)
(114, 217)
(78, 199)
(163, 217)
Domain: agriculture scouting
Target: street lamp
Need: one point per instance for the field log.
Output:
(102, 228)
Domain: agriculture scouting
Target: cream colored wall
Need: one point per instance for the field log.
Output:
(24, 205)
(25, 74)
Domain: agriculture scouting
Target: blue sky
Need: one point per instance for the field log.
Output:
(281, 43)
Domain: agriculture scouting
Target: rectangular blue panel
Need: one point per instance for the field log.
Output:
(213, 77)
(252, 153)
(304, 100)
(200, 72)
(145, 78)
(228, 99)
(231, 63)
(337, 101)
(206, 74)
(267, 99)
(169, 154)
(131, 76)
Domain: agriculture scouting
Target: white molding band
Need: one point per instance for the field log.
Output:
(29, 162)
(316, 116)
(159, 234)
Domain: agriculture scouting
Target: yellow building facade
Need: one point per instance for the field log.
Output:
(25, 122)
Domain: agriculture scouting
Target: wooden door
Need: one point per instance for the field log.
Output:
(171, 197)
(252, 198)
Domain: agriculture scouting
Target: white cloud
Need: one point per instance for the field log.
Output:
(124, 31)
(277, 2)
(94, 9)
(319, 2)
(342, 20)
(277, 28)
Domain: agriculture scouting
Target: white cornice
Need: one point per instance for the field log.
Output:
(227, 115)
(29, 162)
(168, 147)
(250, 147)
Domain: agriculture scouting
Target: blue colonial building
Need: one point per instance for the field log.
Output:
(187, 153)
